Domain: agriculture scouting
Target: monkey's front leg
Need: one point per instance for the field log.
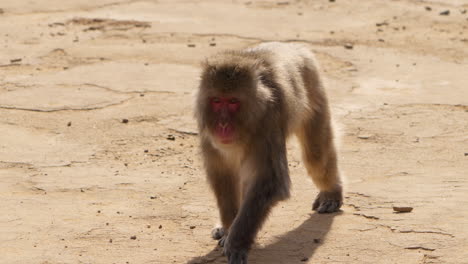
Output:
(260, 197)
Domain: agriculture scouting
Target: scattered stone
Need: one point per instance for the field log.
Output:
(349, 46)
(160, 227)
(331, 1)
(153, 197)
(402, 209)
(316, 240)
(125, 121)
(304, 259)
(1, 11)
(212, 44)
(381, 40)
(283, 3)
(445, 13)
(170, 137)
(192, 227)
(191, 45)
(428, 8)
(364, 136)
(69, 123)
(15, 60)
(146, 151)
(148, 226)
(99, 211)
(110, 240)
(385, 23)
(463, 11)
(133, 237)
(466, 154)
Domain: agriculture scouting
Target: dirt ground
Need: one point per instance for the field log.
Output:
(99, 157)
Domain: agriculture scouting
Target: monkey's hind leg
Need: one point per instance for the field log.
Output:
(320, 160)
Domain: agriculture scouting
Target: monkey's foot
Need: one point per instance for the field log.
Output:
(234, 256)
(221, 241)
(328, 202)
(217, 233)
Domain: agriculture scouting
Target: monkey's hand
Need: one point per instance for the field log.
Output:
(328, 202)
(235, 255)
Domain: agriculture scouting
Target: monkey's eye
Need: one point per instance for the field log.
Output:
(216, 104)
(233, 105)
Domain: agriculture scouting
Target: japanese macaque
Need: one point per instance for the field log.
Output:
(248, 103)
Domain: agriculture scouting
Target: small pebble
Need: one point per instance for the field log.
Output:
(133, 237)
(191, 45)
(125, 121)
(349, 46)
(402, 209)
(364, 136)
(445, 13)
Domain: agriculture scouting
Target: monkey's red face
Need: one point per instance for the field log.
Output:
(225, 110)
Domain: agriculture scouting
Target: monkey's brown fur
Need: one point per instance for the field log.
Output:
(281, 93)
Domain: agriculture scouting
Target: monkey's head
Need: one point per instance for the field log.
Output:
(227, 103)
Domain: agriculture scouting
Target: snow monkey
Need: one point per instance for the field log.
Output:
(248, 103)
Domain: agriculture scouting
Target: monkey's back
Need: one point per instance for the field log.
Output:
(295, 71)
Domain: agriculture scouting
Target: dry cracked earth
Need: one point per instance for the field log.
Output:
(99, 157)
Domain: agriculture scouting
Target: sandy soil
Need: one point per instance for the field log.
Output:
(99, 159)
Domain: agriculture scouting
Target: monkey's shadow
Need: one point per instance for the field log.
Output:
(293, 247)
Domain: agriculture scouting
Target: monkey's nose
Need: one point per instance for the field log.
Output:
(223, 125)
